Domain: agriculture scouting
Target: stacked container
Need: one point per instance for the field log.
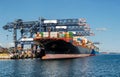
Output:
(61, 34)
(45, 34)
(41, 34)
(71, 34)
(53, 34)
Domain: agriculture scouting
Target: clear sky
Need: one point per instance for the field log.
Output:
(100, 14)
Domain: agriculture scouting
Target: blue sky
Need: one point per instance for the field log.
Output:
(99, 14)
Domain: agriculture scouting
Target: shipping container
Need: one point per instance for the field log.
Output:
(45, 34)
(61, 34)
(41, 34)
(71, 34)
(53, 34)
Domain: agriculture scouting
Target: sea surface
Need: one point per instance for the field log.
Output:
(95, 66)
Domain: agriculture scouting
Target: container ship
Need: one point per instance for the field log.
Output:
(60, 45)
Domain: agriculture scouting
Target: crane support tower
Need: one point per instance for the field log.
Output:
(29, 28)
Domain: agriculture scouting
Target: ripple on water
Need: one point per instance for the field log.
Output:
(96, 66)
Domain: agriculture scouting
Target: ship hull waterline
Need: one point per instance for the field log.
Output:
(64, 56)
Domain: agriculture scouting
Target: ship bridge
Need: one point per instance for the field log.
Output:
(26, 29)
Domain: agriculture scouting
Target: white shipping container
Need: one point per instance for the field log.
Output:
(75, 38)
(53, 34)
(50, 21)
(45, 34)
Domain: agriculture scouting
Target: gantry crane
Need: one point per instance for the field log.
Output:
(29, 28)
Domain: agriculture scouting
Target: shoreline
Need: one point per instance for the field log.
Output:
(16, 56)
(5, 56)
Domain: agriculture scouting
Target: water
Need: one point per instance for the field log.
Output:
(95, 66)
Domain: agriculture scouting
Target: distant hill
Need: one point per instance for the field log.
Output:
(114, 52)
(110, 52)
